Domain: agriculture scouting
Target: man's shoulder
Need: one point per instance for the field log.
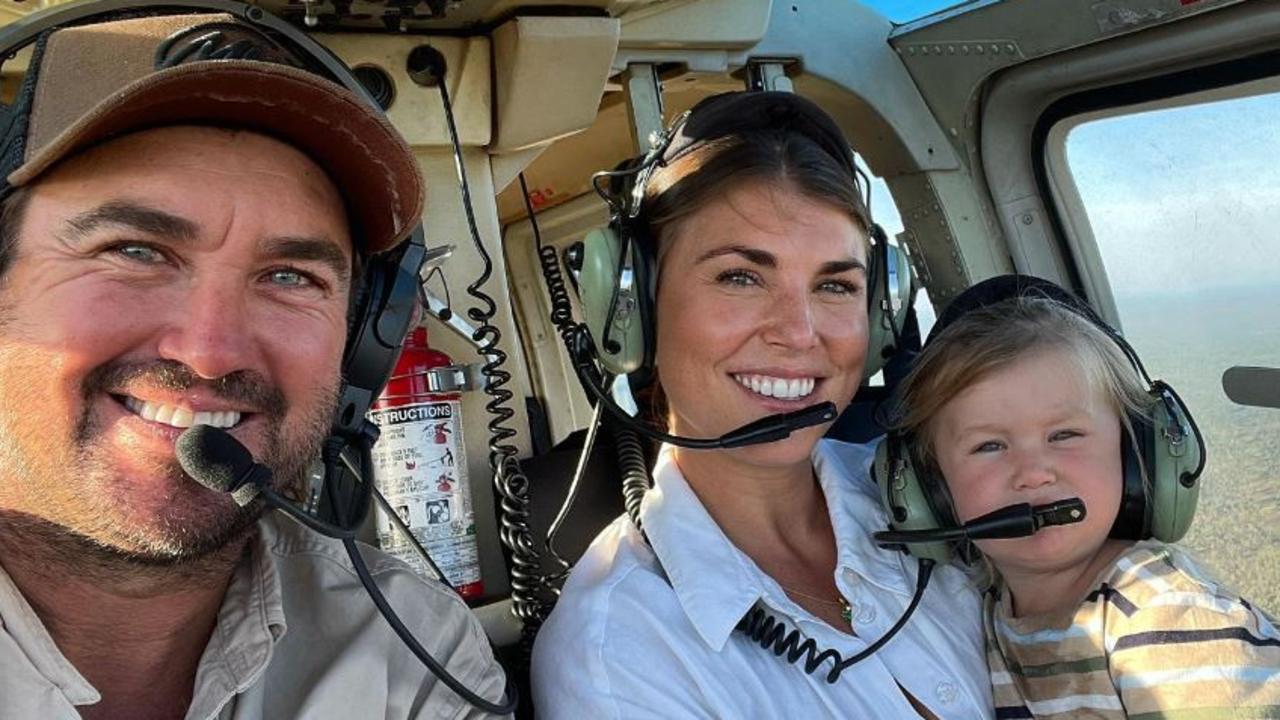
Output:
(335, 631)
(317, 569)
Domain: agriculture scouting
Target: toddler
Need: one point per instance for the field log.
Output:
(1023, 395)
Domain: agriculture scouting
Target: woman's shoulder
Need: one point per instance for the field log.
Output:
(850, 461)
(616, 617)
(618, 578)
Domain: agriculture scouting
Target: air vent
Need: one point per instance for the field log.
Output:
(378, 83)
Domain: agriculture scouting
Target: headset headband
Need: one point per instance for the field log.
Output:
(1006, 287)
(744, 112)
(726, 115)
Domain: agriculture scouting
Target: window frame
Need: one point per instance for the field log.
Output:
(1064, 207)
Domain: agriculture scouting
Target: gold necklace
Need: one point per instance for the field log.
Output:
(846, 611)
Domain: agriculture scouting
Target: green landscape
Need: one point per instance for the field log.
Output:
(1188, 337)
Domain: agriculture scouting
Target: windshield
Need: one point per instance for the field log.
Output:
(901, 11)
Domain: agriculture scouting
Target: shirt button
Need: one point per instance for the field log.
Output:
(866, 613)
(946, 692)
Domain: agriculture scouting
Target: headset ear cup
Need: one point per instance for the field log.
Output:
(609, 309)
(383, 316)
(1177, 455)
(644, 263)
(905, 498)
(890, 290)
(1133, 518)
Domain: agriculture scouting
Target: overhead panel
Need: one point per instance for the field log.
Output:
(695, 24)
(416, 111)
(549, 76)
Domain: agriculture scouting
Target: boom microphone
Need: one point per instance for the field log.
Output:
(1011, 521)
(216, 460)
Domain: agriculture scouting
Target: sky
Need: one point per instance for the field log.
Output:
(901, 11)
(1184, 197)
(1178, 199)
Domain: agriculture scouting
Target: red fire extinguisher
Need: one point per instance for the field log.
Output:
(420, 467)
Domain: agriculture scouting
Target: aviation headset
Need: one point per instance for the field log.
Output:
(617, 281)
(1162, 458)
(385, 297)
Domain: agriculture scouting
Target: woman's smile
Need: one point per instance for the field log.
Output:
(762, 289)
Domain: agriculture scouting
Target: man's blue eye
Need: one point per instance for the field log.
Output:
(140, 253)
(289, 277)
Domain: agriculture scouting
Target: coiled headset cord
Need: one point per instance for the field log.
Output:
(629, 447)
(770, 632)
(510, 482)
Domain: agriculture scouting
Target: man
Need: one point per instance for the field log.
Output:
(178, 242)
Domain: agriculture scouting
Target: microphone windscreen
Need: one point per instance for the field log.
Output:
(216, 460)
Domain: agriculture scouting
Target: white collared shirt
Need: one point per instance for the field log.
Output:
(635, 637)
(296, 637)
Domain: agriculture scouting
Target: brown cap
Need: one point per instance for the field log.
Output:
(90, 83)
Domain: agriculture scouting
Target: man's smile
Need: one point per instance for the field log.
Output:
(177, 415)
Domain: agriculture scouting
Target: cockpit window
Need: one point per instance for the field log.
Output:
(885, 213)
(1183, 202)
(902, 11)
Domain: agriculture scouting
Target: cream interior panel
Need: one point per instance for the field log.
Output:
(417, 111)
(549, 76)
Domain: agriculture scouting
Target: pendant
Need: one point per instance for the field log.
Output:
(846, 611)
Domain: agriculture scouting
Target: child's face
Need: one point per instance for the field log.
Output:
(1033, 432)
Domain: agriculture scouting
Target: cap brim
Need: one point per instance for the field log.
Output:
(365, 157)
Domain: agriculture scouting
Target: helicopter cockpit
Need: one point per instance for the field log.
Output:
(1123, 149)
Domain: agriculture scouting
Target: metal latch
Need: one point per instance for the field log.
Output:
(455, 378)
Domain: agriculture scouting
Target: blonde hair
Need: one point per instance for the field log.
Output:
(991, 338)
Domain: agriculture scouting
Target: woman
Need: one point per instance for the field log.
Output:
(762, 244)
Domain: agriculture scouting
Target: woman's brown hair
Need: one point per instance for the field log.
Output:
(708, 170)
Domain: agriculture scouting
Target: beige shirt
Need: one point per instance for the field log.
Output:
(297, 637)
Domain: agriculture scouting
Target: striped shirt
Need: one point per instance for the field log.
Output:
(1154, 639)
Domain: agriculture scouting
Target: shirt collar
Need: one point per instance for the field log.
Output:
(714, 581)
(844, 472)
(717, 583)
(250, 623)
(33, 639)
